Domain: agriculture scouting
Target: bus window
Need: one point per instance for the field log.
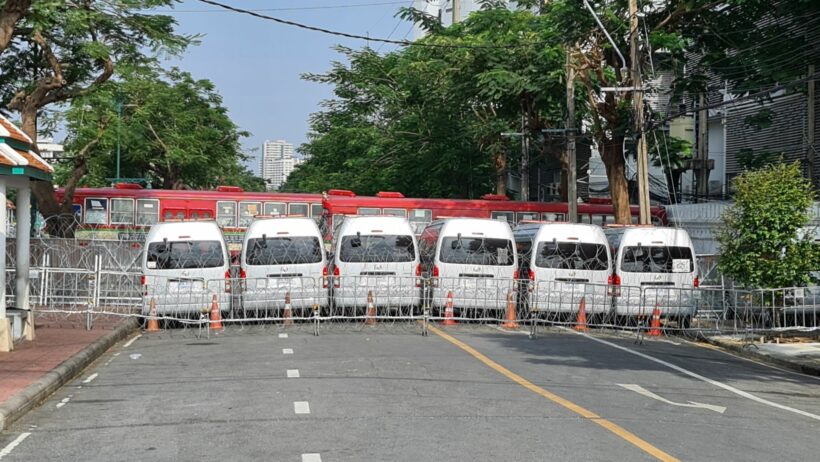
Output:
(147, 211)
(122, 211)
(609, 219)
(368, 211)
(419, 218)
(584, 218)
(549, 216)
(598, 220)
(396, 213)
(316, 210)
(226, 214)
(248, 210)
(96, 211)
(298, 210)
(520, 216)
(275, 208)
(509, 217)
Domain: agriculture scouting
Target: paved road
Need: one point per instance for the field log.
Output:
(390, 394)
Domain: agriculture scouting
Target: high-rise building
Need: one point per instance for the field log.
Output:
(277, 163)
(443, 9)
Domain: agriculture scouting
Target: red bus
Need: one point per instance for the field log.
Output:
(126, 211)
(421, 212)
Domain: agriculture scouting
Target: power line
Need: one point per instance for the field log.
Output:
(356, 36)
(295, 8)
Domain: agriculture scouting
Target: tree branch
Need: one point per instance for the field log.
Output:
(12, 11)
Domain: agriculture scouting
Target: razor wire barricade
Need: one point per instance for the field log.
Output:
(97, 278)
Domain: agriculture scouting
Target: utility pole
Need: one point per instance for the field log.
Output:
(572, 187)
(701, 165)
(456, 11)
(810, 126)
(525, 161)
(118, 104)
(643, 156)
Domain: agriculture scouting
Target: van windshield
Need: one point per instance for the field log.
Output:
(477, 251)
(290, 250)
(572, 255)
(655, 259)
(185, 254)
(377, 248)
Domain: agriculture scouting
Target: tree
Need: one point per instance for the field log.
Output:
(172, 130)
(764, 243)
(10, 13)
(62, 50)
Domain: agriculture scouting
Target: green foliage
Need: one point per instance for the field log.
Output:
(764, 242)
(173, 131)
(749, 159)
(427, 121)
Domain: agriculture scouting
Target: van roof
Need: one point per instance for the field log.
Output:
(184, 230)
(273, 225)
(487, 226)
(656, 236)
(371, 224)
(582, 232)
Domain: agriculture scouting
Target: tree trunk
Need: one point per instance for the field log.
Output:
(612, 155)
(500, 173)
(11, 12)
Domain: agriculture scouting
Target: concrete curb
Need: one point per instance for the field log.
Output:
(34, 394)
(752, 354)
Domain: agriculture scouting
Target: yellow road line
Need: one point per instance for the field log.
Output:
(585, 413)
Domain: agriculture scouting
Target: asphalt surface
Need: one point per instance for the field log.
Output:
(387, 393)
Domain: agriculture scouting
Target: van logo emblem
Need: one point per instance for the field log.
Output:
(572, 273)
(284, 268)
(378, 266)
(476, 268)
(186, 273)
(658, 277)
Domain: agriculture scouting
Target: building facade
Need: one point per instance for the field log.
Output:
(277, 163)
(50, 151)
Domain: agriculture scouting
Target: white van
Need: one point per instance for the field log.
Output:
(183, 266)
(282, 256)
(565, 263)
(376, 255)
(472, 258)
(654, 266)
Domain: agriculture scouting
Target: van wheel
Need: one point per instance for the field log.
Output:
(685, 322)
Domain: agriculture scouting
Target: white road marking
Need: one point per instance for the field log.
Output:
(287, 351)
(135, 356)
(301, 407)
(91, 377)
(643, 391)
(722, 385)
(283, 335)
(128, 344)
(63, 402)
(293, 373)
(10, 447)
(116, 354)
(311, 458)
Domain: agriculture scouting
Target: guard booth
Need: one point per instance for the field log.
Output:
(19, 167)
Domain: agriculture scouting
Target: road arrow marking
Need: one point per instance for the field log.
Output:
(643, 391)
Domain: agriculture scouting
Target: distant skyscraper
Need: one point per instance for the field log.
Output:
(442, 9)
(277, 163)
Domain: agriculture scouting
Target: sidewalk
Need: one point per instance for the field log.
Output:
(802, 356)
(62, 349)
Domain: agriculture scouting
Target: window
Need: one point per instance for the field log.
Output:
(96, 211)
(283, 251)
(185, 254)
(477, 251)
(419, 218)
(147, 211)
(530, 216)
(584, 218)
(122, 211)
(377, 248)
(654, 259)
(316, 210)
(298, 210)
(598, 220)
(275, 208)
(549, 216)
(248, 210)
(396, 213)
(572, 255)
(368, 211)
(509, 217)
(226, 214)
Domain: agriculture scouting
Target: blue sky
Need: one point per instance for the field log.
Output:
(256, 64)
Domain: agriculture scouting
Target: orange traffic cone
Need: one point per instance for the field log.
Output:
(216, 316)
(509, 318)
(581, 320)
(448, 311)
(371, 310)
(153, 322)
(655, 323)
(288, 314)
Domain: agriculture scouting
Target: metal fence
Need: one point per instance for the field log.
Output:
(102, 279)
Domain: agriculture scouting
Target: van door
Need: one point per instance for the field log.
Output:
(384, 264)
(478, 269)
(656, 275)
(568, 271)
